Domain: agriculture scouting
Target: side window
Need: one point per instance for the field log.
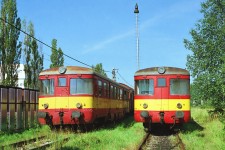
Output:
(81, 86)
(161, 82)
(100, 89)
(61, 81)
(125, 95)
(111, 92)
(121, 94)
(115, 93)
(106, 89)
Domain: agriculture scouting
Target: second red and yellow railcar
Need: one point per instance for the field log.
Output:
(78, 95)
(162, 95)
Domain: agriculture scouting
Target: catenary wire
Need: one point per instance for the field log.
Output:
(55, 49)
(124, 79)
(44, 43)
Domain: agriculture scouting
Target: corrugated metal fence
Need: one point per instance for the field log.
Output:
(18, 108)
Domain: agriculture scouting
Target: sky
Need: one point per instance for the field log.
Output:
(104, 31)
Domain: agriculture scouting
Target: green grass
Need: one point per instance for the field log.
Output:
(124, 136)
(10, 137)
(203, 132)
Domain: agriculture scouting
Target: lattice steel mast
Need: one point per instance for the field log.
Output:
(136, 11)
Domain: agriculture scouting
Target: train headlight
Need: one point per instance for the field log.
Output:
(179, 105)
(145, 105)
(62, 70)
(161, 70)
(78, 105)
(46, 105)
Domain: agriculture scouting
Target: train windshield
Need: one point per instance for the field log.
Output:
(179, 87)
(47, 87)
(81, 86)
(144, 87)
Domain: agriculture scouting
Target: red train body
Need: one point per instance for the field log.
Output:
(162, 95)
(78, 95)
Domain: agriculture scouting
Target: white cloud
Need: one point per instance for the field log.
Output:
(104, 43)
(173, 11)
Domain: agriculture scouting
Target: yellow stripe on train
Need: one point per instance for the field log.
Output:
(161, 105)
(86, 102)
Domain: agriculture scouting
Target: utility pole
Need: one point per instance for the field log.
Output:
(114, 74)
(136, 11)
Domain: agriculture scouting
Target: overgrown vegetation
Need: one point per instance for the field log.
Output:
(125, 135)
(206, 63)
(205, 131)
(7, 138)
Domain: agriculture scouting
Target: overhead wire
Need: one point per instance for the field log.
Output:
(43, 42)
(123, 79)
(56, 49)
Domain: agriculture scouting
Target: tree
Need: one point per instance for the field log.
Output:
(60, 57)
(27, 54)
(206, 62)
(99, 69)
(57, 58)
(10, 48)
(54, 54)
(34, 58)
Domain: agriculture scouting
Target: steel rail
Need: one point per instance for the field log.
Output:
(143, 141)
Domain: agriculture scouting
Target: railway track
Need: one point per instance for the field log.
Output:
(161, 140)
(41, 142)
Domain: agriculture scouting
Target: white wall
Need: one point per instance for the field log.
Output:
(21, 76)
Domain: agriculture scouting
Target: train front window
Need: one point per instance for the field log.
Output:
(144, 87)
(47, 87)
(81, 86)
(161, 82)
(179, 87)
(62, 82)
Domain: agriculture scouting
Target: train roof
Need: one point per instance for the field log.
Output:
(77, 70)
(67, 70)
(126, 86)
(161, 70)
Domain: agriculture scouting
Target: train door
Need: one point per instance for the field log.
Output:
(62, 93)
(162, 94)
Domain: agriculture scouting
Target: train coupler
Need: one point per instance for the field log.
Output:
(161, 116)
(61, 114)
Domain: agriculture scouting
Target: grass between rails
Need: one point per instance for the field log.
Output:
(125, 135)
(203, 132)
(7, 138)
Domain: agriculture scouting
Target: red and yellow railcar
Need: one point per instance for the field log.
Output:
(78, 95)
(162, 95)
